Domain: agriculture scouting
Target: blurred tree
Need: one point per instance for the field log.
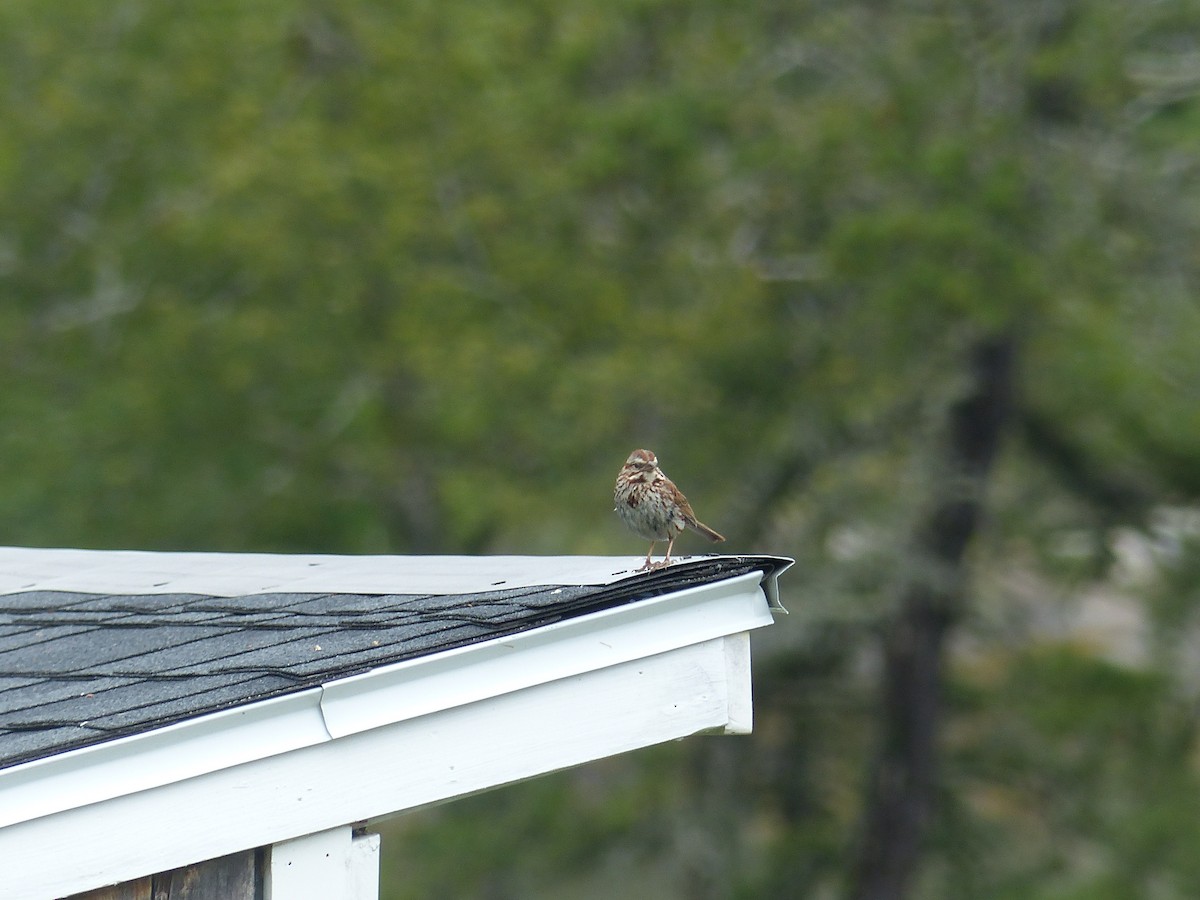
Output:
(409, 278)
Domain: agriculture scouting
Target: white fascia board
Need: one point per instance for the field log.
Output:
(572, 656)
(379, 772)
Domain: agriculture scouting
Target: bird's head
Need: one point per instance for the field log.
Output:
(641, 462)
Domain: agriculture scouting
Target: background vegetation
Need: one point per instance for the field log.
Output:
(415, 277)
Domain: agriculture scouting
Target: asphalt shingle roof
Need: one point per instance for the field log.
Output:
(78, 668)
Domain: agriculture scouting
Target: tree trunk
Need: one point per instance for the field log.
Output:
(902, 784)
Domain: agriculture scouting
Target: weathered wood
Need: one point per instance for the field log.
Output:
(238, 876)
(141, 889)
(235, 877)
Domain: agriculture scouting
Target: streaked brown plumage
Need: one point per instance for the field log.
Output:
(652, 507)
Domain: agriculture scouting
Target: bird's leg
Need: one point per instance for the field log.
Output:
(646, 567)
(667, 559)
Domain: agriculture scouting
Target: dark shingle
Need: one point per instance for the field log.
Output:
(37, 695)
(24, 637)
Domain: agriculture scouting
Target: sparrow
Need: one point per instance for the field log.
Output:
(653, 508)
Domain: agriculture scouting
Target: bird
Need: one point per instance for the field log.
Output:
(650, 505)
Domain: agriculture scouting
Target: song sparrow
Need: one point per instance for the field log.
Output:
(652, 507)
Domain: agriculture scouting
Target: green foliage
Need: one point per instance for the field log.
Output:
(1078, 772)
(416, 277)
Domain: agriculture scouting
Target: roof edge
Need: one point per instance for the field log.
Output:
(389, 694)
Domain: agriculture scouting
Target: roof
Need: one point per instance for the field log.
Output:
(98, 645)
(129, 679)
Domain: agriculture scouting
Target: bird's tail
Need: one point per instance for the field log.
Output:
(700, 528)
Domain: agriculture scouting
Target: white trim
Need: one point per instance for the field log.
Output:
(373, 773)
(328, 865)
(737, 671)
(364, 867)
(165, 755)
(570, 647)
